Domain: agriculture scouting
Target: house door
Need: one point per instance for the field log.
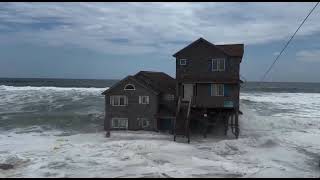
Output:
(187, 91)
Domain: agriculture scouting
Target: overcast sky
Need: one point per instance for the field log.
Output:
(112, 40)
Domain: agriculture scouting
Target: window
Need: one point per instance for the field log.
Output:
(183, 62)
(143, 99)
(118, 100)
(217, 90)
(168, 97)
(143, 122)
(129, 87)
(120, 123)
(217, 64)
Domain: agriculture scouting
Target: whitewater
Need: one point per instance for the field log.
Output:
(58, 132)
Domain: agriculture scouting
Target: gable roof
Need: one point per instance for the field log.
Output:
(156, 82)
(133, 79)
(229, 49)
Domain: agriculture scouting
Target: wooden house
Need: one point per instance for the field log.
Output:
(145, 101)
(207, 86)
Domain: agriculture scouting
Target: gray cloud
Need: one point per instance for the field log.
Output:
(309, 55)
(139, 28)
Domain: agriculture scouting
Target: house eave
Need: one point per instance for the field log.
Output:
(131, 78)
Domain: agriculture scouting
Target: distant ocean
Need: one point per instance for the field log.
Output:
(77, 104)
(54, 128)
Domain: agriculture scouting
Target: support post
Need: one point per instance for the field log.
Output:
(205, 124)
(237, 130)
(226, 124)
(108, 134)
(232, 123)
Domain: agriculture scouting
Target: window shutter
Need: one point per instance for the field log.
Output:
(139, 99)
(111, 100)
(221, 64)
(210, 89)
(125, 100)
(226, 90)
(182, 91)
(210, 65)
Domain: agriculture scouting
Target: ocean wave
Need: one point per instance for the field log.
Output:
(40, 88)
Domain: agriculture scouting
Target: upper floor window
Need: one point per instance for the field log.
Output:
(118, 100)
(143, 99)
(218, 64)
(129, 87)
(217, 90)
(183, 62)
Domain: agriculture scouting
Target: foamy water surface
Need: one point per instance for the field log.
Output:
(279, 137)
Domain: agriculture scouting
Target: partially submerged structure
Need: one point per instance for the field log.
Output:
(208, 86)
(205, 91)
(145, 101)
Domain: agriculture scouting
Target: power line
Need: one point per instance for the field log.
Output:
(265, 74)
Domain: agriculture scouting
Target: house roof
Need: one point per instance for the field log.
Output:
(229, 49)
(156, 82)
(159, 81)
(232, 49)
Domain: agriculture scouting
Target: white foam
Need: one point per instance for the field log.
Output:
(149, 154)
(269, 146)
(34, 88)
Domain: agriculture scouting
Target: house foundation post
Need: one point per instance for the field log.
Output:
(237, 130)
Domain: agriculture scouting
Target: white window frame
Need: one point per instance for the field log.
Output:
(183, 60)
(141, 122)
(141, 98)
(215, 88)
(125, 87)
(113, 98)
(120, 123)
(218, 60)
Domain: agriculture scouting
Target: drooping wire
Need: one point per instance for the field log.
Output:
(286, 45)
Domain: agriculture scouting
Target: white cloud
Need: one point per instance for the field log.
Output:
(276, 53)
(309, 55)
(151, 27)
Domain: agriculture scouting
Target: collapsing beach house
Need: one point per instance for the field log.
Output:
(144, 101)
(205, 92)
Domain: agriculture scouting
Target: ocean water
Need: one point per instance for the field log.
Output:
(54, 128)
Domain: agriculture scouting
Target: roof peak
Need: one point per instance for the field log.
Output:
(151, 71)
(229, 49)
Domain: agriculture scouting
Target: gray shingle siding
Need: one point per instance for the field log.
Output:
(133, 110)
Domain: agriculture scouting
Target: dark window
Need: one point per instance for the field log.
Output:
(218, 65)
(217, 89)
(129, 87)
(118, 100)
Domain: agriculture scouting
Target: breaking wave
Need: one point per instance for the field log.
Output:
(51, 107)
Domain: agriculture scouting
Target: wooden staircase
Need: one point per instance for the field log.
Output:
(182, 120)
